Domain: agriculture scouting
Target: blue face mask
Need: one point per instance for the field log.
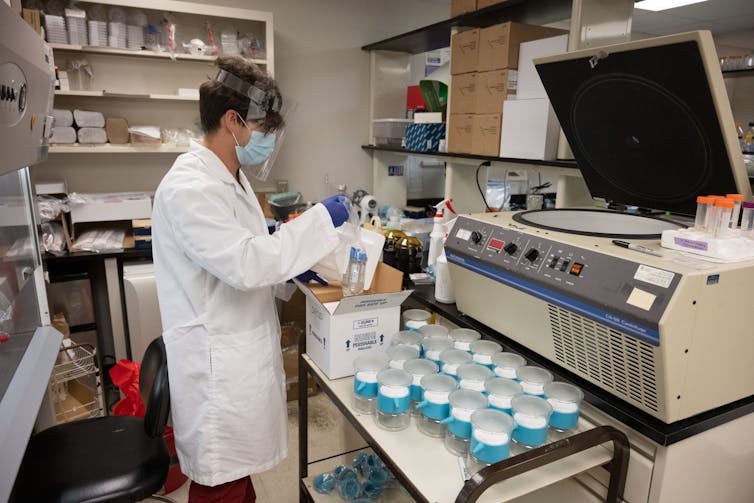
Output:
(258, 149)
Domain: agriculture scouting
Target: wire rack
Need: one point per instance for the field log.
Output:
(74, 362)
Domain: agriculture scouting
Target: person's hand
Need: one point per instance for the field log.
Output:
(311, 276)
(339, 207)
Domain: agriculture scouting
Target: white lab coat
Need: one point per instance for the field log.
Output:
(215, 269)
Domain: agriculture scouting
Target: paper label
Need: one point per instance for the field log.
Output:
(464, 234)
(654, 276)
(641, 299)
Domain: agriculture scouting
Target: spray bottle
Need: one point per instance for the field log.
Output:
(443, 285)
(437, 235)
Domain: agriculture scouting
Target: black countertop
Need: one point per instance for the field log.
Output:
(651, 427)
(133, 253)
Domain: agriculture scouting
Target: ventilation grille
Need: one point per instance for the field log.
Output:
(622, 364)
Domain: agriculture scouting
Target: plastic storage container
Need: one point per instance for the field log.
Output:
(507, 365)
(399, 354)
(432, 347)
(393, 400)
(483, 351)
(463, 403)
(435, 405)
(531, 415)
(418, 368)
(366, 368)
(533, 379)
(463, 337)
(391, 132)
(565, 400)
(500, 392)
(434, 331)
(472, 376)
(490, 436)
(451, 359)
(408, 338)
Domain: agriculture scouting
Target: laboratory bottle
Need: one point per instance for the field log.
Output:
(393, 399)
(483, 351)
(490, 437)
(463, 403)
(703, 204)
(507, 365)
(747, 220)
(565, 400)
(721, 228)
(533, 379)
(353, 280)
(531, 415)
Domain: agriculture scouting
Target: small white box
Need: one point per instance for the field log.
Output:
(529, 84)
(50, 187)
(107, 207)
(337, 332)
(530, 130)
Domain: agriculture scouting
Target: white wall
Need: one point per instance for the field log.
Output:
(319, 64)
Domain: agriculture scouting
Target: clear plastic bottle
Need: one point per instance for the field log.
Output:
(353, 280)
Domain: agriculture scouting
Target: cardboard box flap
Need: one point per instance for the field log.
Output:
(370, 302)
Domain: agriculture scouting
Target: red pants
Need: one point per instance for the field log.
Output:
(237, 491)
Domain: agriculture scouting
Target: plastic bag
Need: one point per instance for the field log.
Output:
(125, 375)
(52, 239)
(50, 207)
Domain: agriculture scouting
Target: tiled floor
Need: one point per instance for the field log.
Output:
(329, 434)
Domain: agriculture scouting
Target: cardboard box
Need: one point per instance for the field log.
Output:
(460, 129)
(499, 44)
(529, 84)
(464, 51)
(530, 130)
(493, 88)
(424, 137)
(290, 365)
(458, 7)
(340, 328)
(481, 4)
(463, 89)
(34, 19)
(485, 139)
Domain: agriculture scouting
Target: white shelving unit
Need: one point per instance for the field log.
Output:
(144, 87)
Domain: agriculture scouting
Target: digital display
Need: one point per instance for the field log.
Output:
(495, 244)
(576, 268)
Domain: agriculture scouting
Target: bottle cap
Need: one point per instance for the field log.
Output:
(705, 199)
(735, 197)
(725, 203)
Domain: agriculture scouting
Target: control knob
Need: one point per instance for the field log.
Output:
(511, 248)
(476, 237)
(532, 255)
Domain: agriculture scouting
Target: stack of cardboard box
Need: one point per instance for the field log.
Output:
(483, 75)
(458, 7)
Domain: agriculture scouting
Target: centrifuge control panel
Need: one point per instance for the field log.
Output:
(524, 259)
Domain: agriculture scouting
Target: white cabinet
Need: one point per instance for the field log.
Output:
(146, 88)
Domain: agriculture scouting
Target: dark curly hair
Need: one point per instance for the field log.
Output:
(215, 98)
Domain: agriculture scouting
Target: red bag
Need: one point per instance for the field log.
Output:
(125, 375)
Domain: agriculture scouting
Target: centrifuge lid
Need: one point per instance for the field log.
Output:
(649, 121)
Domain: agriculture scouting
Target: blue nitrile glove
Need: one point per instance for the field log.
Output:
(339, 207)
(311, 275)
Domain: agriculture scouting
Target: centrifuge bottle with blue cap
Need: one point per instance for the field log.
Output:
(463, 403)
(393, 400)
(366, 368)
(418, 368)
(435, 406)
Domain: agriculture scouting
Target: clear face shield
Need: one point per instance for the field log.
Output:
(261, 102)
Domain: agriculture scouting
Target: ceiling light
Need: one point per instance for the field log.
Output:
(656, 5)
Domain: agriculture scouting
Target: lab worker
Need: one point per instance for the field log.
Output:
(216, 268)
